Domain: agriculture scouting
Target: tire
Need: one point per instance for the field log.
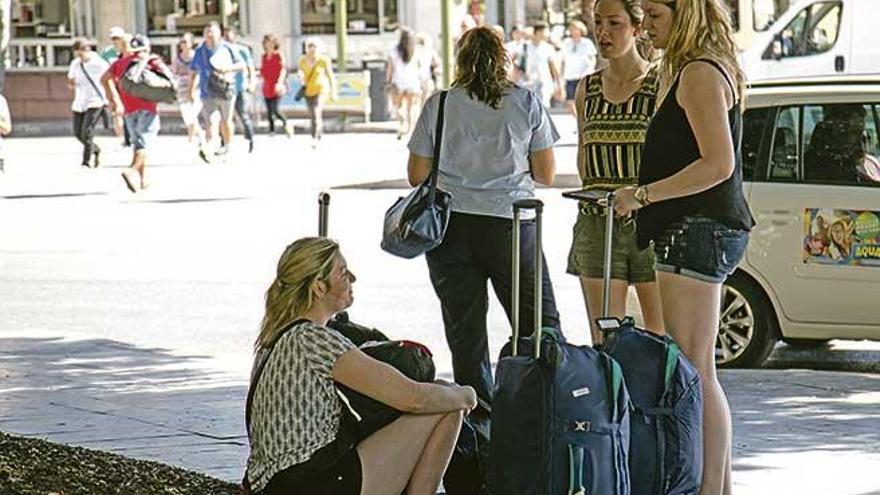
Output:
(806, 343)
(748, 329)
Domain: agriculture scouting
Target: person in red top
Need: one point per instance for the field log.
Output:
(273, 70)
(140, 116)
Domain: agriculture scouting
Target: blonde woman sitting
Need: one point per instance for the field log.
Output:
(297, 443)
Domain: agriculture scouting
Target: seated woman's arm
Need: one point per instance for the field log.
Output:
(383, 382)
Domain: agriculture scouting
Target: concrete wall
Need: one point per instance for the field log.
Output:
(38, 95)
(109, 13)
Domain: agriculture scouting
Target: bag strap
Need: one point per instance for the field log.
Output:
(614, 378)
(438, 142)
(259, 372)
(672, 353)
(82, 66)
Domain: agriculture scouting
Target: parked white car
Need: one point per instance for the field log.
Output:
(817, 38)
(812, 270)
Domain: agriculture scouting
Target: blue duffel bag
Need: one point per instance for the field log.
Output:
(666, 434)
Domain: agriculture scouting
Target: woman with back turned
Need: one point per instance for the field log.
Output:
(497, 142)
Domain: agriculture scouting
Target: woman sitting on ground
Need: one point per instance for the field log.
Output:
(297, 443)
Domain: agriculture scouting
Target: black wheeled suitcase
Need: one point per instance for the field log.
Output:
(560, 423)
(666, 438)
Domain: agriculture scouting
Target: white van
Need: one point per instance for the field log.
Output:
(818, 38)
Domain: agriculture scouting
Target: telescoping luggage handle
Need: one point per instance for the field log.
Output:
(323, 213)
(604, 199)
(518, 206)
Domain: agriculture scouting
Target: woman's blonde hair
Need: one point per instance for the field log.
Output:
(482, 66)
(701, 29)
(291, 294)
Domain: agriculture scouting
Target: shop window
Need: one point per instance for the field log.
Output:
(180, 16)
(41, 19)
(364, 16)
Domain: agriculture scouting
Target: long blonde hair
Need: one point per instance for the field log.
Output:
(305, 261)
(701, 29)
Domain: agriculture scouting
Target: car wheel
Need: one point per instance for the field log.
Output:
(747, 326)
(806, 343)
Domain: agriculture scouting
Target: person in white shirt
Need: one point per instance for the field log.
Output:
(541, 75)
(5, 126)
(578, 60)
(84, 76)
(515, 48)
(402, 76)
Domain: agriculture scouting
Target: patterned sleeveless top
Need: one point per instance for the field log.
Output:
(614, 133)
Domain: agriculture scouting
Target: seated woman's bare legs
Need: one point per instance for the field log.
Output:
(411, 453)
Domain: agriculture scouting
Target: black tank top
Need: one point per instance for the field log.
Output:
(670, 146)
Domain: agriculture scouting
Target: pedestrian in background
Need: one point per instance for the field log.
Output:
(578, 60)
(429, 63)
(613, 109)
(141, 116)
(690, 198)
(215, 64)
(541, 75)
(119, 40)
(89, 100)
(5, 128)
(498, 141)
(273, 70)
(316, 72)
(402, 76)
(245, 85)
(304, 447)
(189, 104)
(515, 50)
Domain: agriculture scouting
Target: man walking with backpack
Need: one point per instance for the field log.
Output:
(141, 116)
(89, 99)
(215, 64)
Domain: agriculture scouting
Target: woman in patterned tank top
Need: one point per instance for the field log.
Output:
(614, 107)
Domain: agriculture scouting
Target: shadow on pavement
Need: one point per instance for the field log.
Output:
(55, 195)
(112, 396)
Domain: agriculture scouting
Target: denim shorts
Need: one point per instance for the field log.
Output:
(701, 248)
(142, 127)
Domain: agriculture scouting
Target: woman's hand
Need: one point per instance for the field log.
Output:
(470, 397)
(625, 201)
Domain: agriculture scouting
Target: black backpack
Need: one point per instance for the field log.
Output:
(143, 81)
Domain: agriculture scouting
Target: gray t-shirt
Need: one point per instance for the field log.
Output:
(296, 409)
(484, 158)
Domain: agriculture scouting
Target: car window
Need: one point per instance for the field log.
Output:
(754, 121)
(840, 144)
(785, 147)
(813, 30)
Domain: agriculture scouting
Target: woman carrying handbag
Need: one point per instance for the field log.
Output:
(497, 142)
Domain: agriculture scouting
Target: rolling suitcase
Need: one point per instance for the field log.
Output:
(666, 443)
(560, 423)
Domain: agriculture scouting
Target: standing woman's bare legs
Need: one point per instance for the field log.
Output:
(690, 312)
(652, 309)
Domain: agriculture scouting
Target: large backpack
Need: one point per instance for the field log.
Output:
(666, 449)
(142, 81)
(560, 423)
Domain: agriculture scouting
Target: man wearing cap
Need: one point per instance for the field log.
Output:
(215, 64)
(89, 99)
(141, 116)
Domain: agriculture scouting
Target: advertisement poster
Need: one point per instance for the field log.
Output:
(842, 237)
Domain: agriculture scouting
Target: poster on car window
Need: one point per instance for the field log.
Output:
(842, 237)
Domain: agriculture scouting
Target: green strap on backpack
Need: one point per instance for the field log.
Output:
(672, 353)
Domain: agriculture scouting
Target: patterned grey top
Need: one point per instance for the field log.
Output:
(296, 409)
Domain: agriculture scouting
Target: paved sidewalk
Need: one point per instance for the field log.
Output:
(796, 432)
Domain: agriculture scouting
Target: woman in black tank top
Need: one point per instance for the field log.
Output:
(690, 202)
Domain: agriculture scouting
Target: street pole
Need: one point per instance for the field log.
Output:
(446, 41)
(341, 34)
